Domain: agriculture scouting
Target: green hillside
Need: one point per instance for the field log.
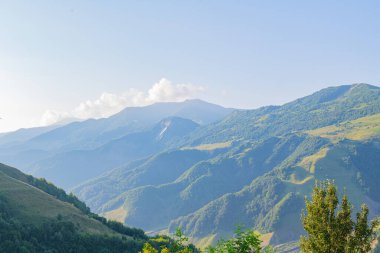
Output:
(32, 220)
(273, 202)
(323, 108)
(207, 180)
(360, 129)
(162, 168)
(31, 205)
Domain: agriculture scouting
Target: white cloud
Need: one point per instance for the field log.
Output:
(51, 117)
(108, 103)
(164, 90)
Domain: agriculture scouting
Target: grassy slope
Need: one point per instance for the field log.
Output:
(360, 129)
(211, 146)
(31, 205)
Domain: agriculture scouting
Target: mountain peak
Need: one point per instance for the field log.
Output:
(329, 94)
(364, 85)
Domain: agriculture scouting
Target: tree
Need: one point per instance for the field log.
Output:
(330, 230)
(178, 244)
(243, 242)
(149, 249)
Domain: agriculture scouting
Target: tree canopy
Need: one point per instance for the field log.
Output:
(329, 224)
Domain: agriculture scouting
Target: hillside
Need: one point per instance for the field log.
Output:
(263, 163)
(160, 169)
(273, 202)
(323, 108)
(33, 220)
(29, 204)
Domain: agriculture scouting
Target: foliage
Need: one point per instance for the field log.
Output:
(120, 228)
(332, 230)
(179, 244)
(56, 236)
(149, 249)
(243, 242)
(60, 194)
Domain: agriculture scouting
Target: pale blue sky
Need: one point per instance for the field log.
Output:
(56, 54)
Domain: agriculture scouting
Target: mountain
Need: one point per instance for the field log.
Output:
(156, 170)
(273, 203)
(326, 107)
(91, 134)
(71, 168)
(260, 166)
(24, 134)
(199, 184)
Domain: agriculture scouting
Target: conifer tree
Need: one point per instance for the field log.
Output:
(330, 230)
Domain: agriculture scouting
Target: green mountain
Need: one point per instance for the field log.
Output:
(323, 108)
(160, 169)
(260, 164)
(273, 202)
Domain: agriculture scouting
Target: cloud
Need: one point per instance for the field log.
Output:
(165, 91)
(108, 104)
(51, 117)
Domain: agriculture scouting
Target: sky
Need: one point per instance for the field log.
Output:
(89, 59)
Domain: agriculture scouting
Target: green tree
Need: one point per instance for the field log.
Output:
(330, 230)
(243, 242)
(148, 249)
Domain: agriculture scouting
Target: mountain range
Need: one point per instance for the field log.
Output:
(70, 154)
(206, 168)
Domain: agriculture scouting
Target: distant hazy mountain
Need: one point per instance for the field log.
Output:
(69, 169)
(93, 133)
(252, 168)
(23, 135)
(37, 144)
